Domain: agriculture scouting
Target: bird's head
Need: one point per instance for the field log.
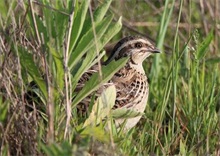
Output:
(135, 47)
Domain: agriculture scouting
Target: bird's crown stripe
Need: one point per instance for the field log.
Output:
(129, 43)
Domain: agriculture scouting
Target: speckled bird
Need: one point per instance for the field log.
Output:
(131, 83)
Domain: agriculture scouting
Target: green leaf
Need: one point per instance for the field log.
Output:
(202, 48)
(94, 83)
(164, 22)
(60, 26)
(72, 4)
(59, 68)
(182, 148)
(97, 132)
(213, 60)
(88, 41)
(102, 106)
(63, 149)
(4, 10)
(86, 64)
(6, 13)
(78, 22)
(101, 11)
(124, 113)
(112, 30)
(98, 15)
(28, 64)
(3, 109)
(90, 56)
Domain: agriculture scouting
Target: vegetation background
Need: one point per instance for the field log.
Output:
(45, 47)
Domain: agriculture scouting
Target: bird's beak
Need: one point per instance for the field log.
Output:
(155, 50)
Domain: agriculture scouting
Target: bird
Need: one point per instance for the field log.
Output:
(131, 82)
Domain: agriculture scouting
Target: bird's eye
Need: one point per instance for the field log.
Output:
(138, 45)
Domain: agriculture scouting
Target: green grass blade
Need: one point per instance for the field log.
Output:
(79, 19)
(100, 12)
(89, 59)
(29, 65)
(202, 48)
(160, 37)
(59, 68)
(87, 41)
(98, 16)
(3, 109)
(124, 113)
(96, 132)
(94, 83)
(213, 60)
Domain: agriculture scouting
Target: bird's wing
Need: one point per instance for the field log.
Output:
(84, 104)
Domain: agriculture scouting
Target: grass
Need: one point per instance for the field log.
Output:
(45, 47)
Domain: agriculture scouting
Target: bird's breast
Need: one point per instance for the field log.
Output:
(131, 87)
